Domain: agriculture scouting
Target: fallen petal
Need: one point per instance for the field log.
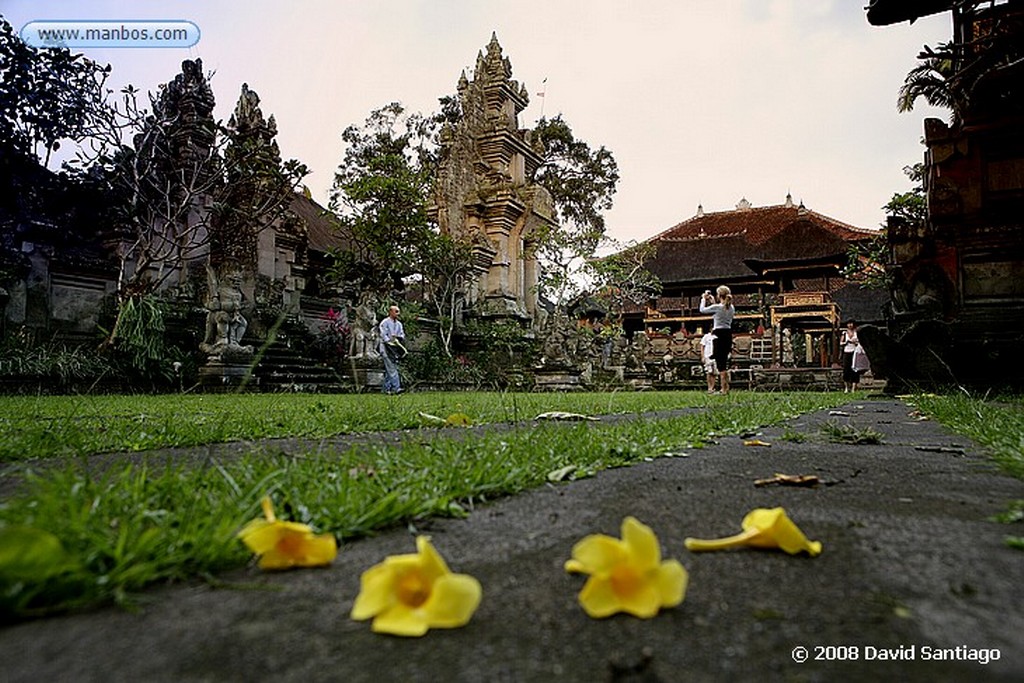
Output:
(453, 600)
(762, 528)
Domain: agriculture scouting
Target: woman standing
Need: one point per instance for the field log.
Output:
(721, 326)
(849, 341)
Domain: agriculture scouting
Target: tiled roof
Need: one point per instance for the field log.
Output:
(717, 246)
(758, 224)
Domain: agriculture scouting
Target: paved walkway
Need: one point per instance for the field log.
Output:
(911, 567)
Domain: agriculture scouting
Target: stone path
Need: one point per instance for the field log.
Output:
(911, 568)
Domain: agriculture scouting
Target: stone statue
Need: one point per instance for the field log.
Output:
(363, 344)
(636, 353)
(225, 324)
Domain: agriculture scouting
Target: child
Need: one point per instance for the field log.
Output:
(707, 345)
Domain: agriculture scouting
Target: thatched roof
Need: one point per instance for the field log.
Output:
(321, 225)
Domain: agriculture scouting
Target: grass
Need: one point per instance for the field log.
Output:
(118, 532)
(996, 424)
(849, 433)
(46, 427)
(100, 538)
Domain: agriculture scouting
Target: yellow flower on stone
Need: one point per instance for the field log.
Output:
(627, 575)
(409, 594)
(762, 528)
(282, 545)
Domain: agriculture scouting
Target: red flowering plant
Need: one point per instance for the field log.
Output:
(331, 340)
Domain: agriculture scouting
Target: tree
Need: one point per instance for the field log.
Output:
(911, 206)
(622, 278)
(160, 181)
(867, 260)
(381, 191)
(582, 182)
(446, 265)
(932, 80)
(964, 77)
(379, 194)
(46, 96)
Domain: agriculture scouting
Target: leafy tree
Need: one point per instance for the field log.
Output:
(446, 265)
(932, 80)
(985, 74)
(380, 192)
(622, 278)
(911, 206)
(46, 96)
(867, 261)
(582, 182)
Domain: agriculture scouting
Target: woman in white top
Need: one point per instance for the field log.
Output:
(851, 378)
(721, 326)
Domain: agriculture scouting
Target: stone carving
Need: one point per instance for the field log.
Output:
(185, 106)
(482, 190)
(225, 324)
(556, 342)
(363, 344)
(636, 352)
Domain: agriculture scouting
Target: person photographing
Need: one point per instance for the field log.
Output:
(722, 313)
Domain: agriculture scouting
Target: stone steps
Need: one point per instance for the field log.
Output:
(283, 367)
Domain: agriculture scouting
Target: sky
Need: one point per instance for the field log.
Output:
(702, 102)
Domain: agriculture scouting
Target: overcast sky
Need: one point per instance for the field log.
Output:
(701, 101)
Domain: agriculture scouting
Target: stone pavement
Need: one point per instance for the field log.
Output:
(911, 568)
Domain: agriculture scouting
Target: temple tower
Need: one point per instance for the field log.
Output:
(484, 190)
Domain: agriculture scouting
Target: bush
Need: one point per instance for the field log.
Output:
(61, 364)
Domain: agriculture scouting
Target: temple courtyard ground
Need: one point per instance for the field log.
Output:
(914, 583)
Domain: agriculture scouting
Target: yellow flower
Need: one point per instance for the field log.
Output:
(409, 594)
(763, 528)
(282, 545)
(627, 575)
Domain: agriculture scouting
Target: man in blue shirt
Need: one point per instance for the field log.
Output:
(392, 334)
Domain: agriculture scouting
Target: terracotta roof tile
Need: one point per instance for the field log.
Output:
(759, 224)
(717, 246)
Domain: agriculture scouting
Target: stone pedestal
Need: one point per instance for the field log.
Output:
(557, 379)
(219, 375)
(364, 375)
(637, 380)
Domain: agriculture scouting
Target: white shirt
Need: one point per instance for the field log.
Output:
(390, 329)
(707, 342)
(849, 341)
